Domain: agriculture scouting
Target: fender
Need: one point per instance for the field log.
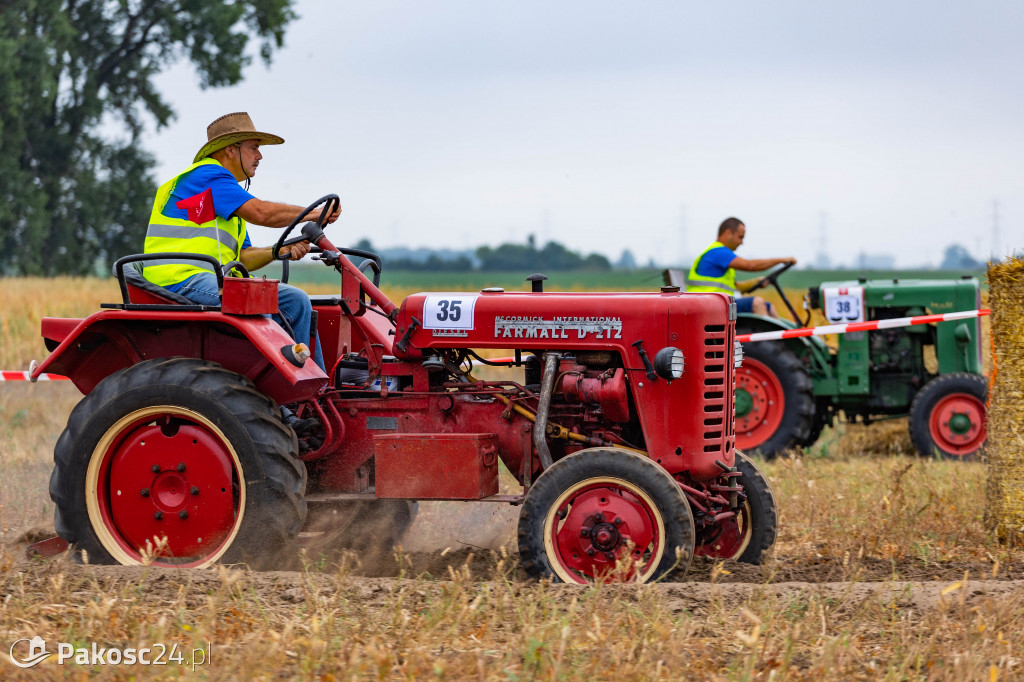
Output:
(89, 350)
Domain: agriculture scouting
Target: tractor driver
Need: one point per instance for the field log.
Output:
(715, 269)
(203, 210)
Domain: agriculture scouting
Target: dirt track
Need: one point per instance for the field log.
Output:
(905, 583)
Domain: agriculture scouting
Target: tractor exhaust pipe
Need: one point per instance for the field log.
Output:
(540, 427)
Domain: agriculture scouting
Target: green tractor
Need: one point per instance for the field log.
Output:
(787, 391)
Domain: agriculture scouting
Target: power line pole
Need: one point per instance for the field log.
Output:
(682, 235)
(994, 256)
(823, 261)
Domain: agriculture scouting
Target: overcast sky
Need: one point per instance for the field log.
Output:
(642, 125)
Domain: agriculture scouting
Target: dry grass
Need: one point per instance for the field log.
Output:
(340, 627)
(882, 570)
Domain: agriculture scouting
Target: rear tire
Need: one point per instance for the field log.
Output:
(821, 419)
(601, 507)
(947, 416)
(180, 450)
(774, 399)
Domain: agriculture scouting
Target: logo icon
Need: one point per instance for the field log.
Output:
(37, 652)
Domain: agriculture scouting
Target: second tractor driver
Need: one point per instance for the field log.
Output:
(715, 269)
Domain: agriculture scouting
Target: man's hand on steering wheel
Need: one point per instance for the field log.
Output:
(313, 230)
(334, 215)
(773, 276)
(297, 250)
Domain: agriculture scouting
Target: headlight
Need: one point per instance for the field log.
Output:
(737, 354)
(668, 363)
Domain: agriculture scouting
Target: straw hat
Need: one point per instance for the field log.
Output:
(230, 129)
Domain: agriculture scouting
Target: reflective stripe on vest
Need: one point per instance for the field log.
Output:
(222, 239)
(726, 284)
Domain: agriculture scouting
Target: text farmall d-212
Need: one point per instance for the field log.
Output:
(788, 390)
(618, 423)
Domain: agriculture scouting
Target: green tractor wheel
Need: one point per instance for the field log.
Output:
(947, 417)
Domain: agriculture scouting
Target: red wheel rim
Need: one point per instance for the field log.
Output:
(162, 486)
(766, 407)
(957, 424)
(733, 538)
(604, 529)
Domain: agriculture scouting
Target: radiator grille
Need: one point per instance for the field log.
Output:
(719, 386)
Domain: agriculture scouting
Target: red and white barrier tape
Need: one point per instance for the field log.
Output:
(861, 326)
(27, 376)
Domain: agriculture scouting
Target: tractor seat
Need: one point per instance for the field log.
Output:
(134, 279)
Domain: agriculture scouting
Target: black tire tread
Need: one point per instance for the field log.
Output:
(818, 423)
(763, 510)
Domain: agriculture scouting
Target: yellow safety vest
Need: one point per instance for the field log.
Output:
(222, 239)
(726, 284)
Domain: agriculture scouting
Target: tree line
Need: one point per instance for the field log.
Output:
(71, 194)
(552, 257)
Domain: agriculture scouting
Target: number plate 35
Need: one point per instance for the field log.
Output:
(449, 311)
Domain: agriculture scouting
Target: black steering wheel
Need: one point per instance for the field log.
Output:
(772, 277)
(312, 229)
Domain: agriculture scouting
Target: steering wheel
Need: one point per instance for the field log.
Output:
(772, 277)
(311, 230)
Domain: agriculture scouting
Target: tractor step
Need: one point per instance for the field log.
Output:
(46, 548)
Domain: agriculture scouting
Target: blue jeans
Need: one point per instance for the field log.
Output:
(745, 304)
(292, 303)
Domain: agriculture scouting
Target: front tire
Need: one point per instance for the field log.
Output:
(947, 416)
(749, 535)
(774, 399)
(179, 462)
(605, 513)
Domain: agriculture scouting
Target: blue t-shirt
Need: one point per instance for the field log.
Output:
(715, 262)
(228, 196)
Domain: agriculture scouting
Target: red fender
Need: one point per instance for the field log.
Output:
(89, 350)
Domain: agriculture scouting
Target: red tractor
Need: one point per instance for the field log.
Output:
(616, 418)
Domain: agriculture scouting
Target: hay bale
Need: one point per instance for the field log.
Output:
(889, 437)
(1004, 512)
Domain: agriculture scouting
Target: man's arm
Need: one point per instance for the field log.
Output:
(273, 214)
(757, 264)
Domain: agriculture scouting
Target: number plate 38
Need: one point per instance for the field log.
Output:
(843, 304)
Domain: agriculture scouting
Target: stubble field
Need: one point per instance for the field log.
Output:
(882, 570)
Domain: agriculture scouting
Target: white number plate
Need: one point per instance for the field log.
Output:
(844, 304)
(449, 311)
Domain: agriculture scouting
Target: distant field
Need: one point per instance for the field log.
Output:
(628, 280)
(616, 280)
